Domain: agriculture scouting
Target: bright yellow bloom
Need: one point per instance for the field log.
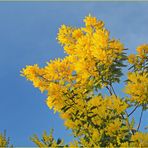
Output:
(132, 59)
(116, 104)
(113, 127)
(101, 38)
(140, 139)
(95, 134)
(77, 33)
(96, 101)
(116, 45)
(142, 49)
(64, 35)
(137, 87)
(69, 124)
(92, 21)
(89, 20)
(140, 60)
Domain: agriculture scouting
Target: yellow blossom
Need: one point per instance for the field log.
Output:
(137, 87)
(116, 45)
(89, 20)
(132, 59)
(142, 49)
(140, 139)
(77, 33)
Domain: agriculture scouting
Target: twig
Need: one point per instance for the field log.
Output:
(128, 124)
(140, 120)
(132, 111)
(113, 90)
(109, 90)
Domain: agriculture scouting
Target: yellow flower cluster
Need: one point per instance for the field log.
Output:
(93, 50)
(142, 50)
(132, 59)
(91, 56)
(47, 141)
(93, 62)
(137, 87)
(140, 139)
(92, 41)
(140, 59)
(92, 21)
(3, 141)
(34, 74)
(137, 140)
(98, 112)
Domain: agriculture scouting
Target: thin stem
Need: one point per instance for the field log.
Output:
(113, 90)
(140, 120)
(128, 124)
(132, 111)
(122, 116)
(109, 90)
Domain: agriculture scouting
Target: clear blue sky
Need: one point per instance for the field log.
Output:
(28, 35)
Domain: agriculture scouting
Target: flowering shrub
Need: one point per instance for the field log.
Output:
(74, 84)
(4, 141)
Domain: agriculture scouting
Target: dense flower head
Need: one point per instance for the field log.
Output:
(139, 60)
(91, 40)
(142, 49)
(92, 44)
(140, 139)
(132, 59)
(137, 87)
(92, 56)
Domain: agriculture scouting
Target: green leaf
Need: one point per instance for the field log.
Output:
(132, 123)
(59, 141)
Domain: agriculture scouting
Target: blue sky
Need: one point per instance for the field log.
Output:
(28, 35)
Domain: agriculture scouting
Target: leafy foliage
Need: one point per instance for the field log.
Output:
(4, 141)
(47, 140)
(74, 84)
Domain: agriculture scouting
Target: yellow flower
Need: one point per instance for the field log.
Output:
(65, 115)
(64, 35)
(140, 139)
(116, 104)
(49, 102)
(142, 50)
(125, 144)
(96, 101)
(116, 45)
(69, 124)
(95, 134)
(113, 127)
(100, 55)
(137, 87)
(101, 38)
(132, 59)
(89, 20)
(77, 33)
